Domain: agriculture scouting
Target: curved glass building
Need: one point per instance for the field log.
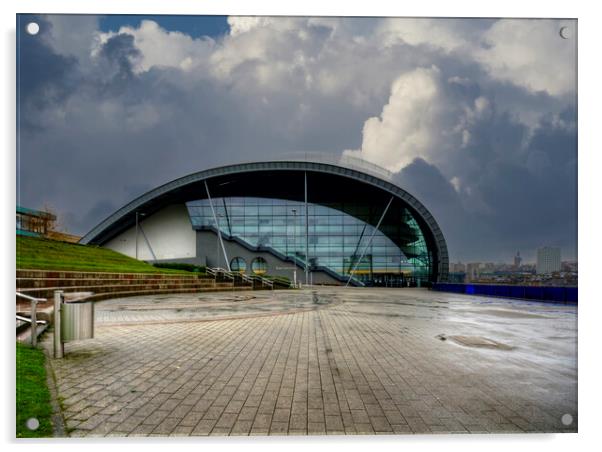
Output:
(318, 222)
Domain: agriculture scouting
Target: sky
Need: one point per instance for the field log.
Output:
(475, 117)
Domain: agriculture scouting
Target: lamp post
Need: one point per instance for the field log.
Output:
(295, 245)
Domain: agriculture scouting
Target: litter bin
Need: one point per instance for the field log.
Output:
(77, 321)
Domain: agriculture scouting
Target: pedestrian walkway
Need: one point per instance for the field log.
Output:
(327, 361)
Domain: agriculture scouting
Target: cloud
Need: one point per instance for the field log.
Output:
(527, 53)
(406, 126)
(242, 24)
(426, 117)
(120, 53)
(531, 54)
(448, 35)
(46, 78)
(444, 103)
(67, 32)
(162, 48)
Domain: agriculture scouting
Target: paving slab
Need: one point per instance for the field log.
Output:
(321, 361)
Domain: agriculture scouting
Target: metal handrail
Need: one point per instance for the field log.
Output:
(28, 320)
(225, 272)
(215, 271)
(263, 281)
(33, 316)
(247, 278)
(29, 297)
(267, 282)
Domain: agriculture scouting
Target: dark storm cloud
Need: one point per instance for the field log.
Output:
(460, 226)
(107, 131)
(82, 219)
(511, 200)
(45, 78)
(121, 53)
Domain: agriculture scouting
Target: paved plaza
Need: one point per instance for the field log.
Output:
(324, 361)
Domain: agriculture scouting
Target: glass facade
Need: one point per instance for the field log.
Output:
(338, 235)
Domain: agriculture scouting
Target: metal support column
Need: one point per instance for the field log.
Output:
(150, 248)
(295, 246)
(34, 323)
(219, 234)
(307, 282)
(369, 241)
(136, 234)
(59, 348)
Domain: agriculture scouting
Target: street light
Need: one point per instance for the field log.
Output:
(295, 245)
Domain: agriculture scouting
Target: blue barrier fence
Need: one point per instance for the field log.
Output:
(541, 293)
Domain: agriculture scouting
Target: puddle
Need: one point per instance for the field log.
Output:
(475, 341)
(510, 314)
(316, 300)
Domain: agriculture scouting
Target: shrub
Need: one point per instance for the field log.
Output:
(180, 266)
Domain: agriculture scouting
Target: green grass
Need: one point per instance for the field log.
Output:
(43, 254)
(33, 397)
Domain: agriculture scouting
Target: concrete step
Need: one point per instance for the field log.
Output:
(31, 283)
(105, 296)
(53, 274)
(43, 283)
(48, 292)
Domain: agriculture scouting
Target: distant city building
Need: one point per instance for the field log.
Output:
(457, 267)
(457, 272)
(569, 266)
(473, 271)
(517, 260)
(548, 260)
(489, 267)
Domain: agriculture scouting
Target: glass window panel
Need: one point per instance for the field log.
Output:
(265, 210)
(333, 235)
(279, 210)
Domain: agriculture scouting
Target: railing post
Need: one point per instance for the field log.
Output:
(58, 343)
(34, 323)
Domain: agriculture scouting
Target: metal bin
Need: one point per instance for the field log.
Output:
(77, 321)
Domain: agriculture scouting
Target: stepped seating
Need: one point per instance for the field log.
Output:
(42, 284)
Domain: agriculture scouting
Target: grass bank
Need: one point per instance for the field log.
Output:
(33, 397)
(43, 254)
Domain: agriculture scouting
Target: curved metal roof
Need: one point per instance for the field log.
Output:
(122, 218)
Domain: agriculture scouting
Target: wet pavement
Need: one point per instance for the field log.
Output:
(209, 306)
(324, 361)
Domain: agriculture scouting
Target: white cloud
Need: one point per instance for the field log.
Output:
(531, 54)
(527, 53)
(446, 34)
(242, 24)
(405, 127)
(162, 48)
